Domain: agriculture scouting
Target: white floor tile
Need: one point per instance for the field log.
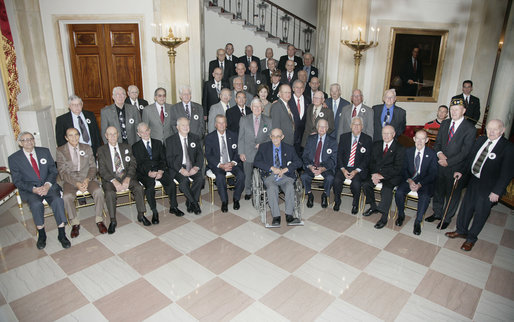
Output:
(86, 313)
(251, 237)
(126, 237)
(504, 258)
(172, 312)
(364, 231)
(312, 235)
(188, 237)
(258, 312)
(12, 234)
(493, 307)
(340, 310)
(421, 309)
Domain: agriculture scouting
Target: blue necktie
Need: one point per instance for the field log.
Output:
(149, 149)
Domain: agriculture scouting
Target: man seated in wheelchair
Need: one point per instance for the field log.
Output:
(278, 162)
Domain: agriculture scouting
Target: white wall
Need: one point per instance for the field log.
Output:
(305, 9)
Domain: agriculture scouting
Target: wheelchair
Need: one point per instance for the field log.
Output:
(260, 199)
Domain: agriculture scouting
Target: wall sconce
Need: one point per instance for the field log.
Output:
(285, 26)
(308, 38)
(262, 15)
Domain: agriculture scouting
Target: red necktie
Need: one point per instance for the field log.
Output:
(452, 131)
(289, 77)
(385, 150)
(34, 165)
(162, 114)
(351, 161)
(318, 154)
(354, 112)
(299, 108)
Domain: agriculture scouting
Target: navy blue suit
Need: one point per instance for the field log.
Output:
(426, 178)
(25, 178)
(213, 155)
(337, 113)
(299, 123)
(328, 161)
(264, 158)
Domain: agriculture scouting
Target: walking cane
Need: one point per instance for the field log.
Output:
(449, 200)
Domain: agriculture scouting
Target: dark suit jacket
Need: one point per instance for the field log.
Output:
(142, 103)
(25, 178)
(310, 93)
(233, 115)
(228, 71)
(273, 94)
(284, 80)
(328, 153)
(312, 73)
(496, 172)
(459, 147)
(398, 121)
(210, 95)
(264, 159)
(311, 122)
(212, 149)
(105, 168)
(298, 63)
(362, 154)
(260, 79)
(299, 123)
(428, 171)
(144, 163)
(244, 60)
(409, 73)
(65, 121)
(390, 165)
(337, 114)
(174, 155)
(472, 109)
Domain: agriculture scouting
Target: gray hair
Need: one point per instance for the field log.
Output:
(298, 81)
(255, 101)
(23, 134)
(132, 87)
(142, 124)
(357, 118)
(118, 88)
(184, 87)
(74, 97)
(336, 85)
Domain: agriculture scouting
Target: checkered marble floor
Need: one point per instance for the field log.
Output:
(226, 266)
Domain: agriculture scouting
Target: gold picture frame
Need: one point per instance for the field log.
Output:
(413, 83)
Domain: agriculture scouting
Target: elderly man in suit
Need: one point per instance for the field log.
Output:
(77, 168)
(248, 83)
(237, 111)
(267, 73)
(307, 66)
(254, 130)
(489, 167)
(191, 110)
(356, 109)
(226, 66)
(133, 98)
(34, 174)
(222, 157)
(388, 114)
(452, 145)
(278, 162)
(471, 103)
(314, 85)
(219, 108)
(82, 120)
(211, 91)
(336, 103)
(269, 56)
(297, 61)
(274, 86)
(238, 86)
(419, 173)
(353, 157)
(124, 117)
(248, 58)
(290, 74)
(319, 158)
(316, 112)
(117, 168)
(255, 74)
(186, 159)
(387, 157)
(282, 116)
(158, 116)
(150, 157)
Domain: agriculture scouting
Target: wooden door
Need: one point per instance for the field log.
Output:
(103, 57)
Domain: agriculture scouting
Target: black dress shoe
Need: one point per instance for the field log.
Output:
(417, 229)
(369, 212)
(142, 218)
(224, 206)
(380, 224)
(155, 218)
(41, 243)
(442, 225)
(432, 218)
(324, 202)
(189, 206)
(112, 228)
(355, 210)
(236, 205)
(310, 200)
(399, 221)
(176, 211)
(248, 197)
(65, 242)
(196, 208)
(276, 221)
(337, 204)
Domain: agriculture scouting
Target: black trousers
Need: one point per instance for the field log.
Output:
(386, 195)
(355, 186)
(190, 189)
(443, 189)
(167, 183)
(221, 182)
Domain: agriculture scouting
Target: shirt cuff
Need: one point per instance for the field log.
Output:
(49, 183)
(358, 169)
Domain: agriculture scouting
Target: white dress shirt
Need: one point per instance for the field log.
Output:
(491, 147)
(111, 148)
(220, 141)
(302, 104)
(77, 126)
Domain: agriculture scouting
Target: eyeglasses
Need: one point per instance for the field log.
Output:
(27, 140)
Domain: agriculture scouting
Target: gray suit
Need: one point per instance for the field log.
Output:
(282, 120)
(232, 102)
(247, 142)
(152, 117)
(215, 110)
(196, 122)
(311, 122)
(109, 117)
(365, 112)
(248, 81)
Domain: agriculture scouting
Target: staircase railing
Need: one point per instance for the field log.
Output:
(271, 18)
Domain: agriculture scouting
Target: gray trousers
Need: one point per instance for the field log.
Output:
(248, 169)
(273, 187)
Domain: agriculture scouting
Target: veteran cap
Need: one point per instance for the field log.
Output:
(457, 101)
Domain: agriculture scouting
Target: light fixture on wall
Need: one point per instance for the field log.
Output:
(359, 46)
(262, 15)
(239, 10)
(285, 26)
(308, 38)
(170, 41)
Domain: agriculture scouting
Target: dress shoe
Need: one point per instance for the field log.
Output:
(236, 205)
(224, 206)
(65, 242)
(155, 218)
(176, 211)
(442, 225)
(248, 197)
(355, 210)
(324, 201)
(467, 246)
(399, 221)
(142, 218)
(380, 224)
(75, 231)
(455, 234)
(292, 220)
(101, 227)
(276, 222)
(337, 205)
(369, 212)
(112, 227)
(189, 206)
(41, 243)
(417, 228)
(196, 208)
(310, 200)
(432, 218)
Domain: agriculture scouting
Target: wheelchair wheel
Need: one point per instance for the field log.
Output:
(256, 191)
(299, 194)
